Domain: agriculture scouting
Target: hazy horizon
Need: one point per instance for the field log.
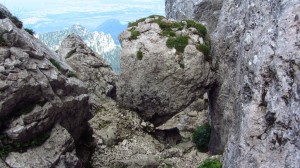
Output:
(53, 15)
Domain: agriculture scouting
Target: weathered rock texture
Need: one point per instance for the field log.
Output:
(164, 81)
(206, 11)
(125, 140)
(36, 95)
(255, 104)
(89, 67)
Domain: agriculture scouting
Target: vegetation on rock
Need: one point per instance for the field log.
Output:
(56, 64)
(16, 21)
(131, 24)
(200, 28)
(30, 31)
(178, 42)
(134, 34)
(205, 49)
(72, 74)
(10, 146)
(210, 163)
(139, 55)
(201, 137)
(169, 28)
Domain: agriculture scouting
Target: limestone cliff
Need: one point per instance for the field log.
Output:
(43, 109)
(255, 102)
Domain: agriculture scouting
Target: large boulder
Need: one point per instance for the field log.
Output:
(255, 104)
(158, 80)
(89, 67)
(35, 95)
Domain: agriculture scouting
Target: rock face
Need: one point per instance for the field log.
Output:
(255, 104)
(205, 11)
(37, 99)
(156, 80)
(89, 67)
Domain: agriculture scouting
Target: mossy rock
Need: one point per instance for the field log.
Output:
(210, 163)
(178, 42)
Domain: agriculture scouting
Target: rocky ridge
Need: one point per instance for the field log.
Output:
(100, 43)
(254, 104)
(43, 109)
(89, 67)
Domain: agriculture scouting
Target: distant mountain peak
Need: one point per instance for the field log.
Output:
(113, 27)
(99, 42)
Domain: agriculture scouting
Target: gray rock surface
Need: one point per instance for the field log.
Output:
(255, 104)
(35, 95)
(95, 73)
(204, 11)
(187, 120)
(122, 140)
(164, 81)
(59, 148)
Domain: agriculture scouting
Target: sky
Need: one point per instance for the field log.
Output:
(52, 15)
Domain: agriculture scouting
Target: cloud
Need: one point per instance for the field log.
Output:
(91, 13)
(34, 20)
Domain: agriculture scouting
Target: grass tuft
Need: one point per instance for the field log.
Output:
(200, 28)
(205, 49)
(30, 31)
(56, 64)
(134, 34)
(210, 163)
(16, 21)
(139, 55)
(72, 74)
(9, 146)
(179, 43)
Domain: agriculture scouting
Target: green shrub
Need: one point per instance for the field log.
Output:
(21, 146)
(205, 49)
(179, 43)
(201, 137)
(2, 15)
(200, 28)
(30, 31)
(210, 163)
(16, 21)
(154, 16)
(131, 24)
(56, 64)
(181, 65)
(167, 27)
(134, 34)
(72, 74)
(139, 55)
